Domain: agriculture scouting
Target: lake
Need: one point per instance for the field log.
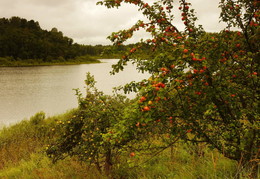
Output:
(25, 91)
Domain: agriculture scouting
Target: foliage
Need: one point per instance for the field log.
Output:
(22, 155)
(180, 162)
(24, 43)
(20, 135)
(83, 133)
(21, 40)
(204, 87)
(22, 149)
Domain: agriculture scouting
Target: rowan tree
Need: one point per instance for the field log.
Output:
(204, 87)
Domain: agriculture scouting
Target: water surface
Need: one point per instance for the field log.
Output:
(25, 91)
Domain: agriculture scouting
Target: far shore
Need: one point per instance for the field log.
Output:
(6, 62)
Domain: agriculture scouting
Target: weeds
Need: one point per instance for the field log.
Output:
(22, 155)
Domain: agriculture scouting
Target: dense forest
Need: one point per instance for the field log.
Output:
(21, 40)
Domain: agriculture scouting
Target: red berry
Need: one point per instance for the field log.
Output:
(142, 99)
(185, 51)
(146, 108)
(132, 154)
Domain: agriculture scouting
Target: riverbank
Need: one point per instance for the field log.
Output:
(23, 145)
(9, 62)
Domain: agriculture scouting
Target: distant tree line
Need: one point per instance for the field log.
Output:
(22, 39)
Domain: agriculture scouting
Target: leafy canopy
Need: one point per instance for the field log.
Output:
(204, 87)
(204, 83)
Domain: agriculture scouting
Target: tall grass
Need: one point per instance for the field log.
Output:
(181, 162)
(39, 166)
(18, 141)
(22, 149)
(22, 156)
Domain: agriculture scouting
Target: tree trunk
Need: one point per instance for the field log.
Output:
(108, 162)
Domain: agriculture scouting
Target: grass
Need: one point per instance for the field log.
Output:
(39, 166)
(180, 163)
(9, 62)
(22, 156)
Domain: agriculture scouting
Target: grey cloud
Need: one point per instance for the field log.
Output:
(88, 23)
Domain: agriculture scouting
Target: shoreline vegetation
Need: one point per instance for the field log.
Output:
(4, 62)
(23, 146)
(87, 59)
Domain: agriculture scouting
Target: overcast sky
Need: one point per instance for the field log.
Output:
(87, 23)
